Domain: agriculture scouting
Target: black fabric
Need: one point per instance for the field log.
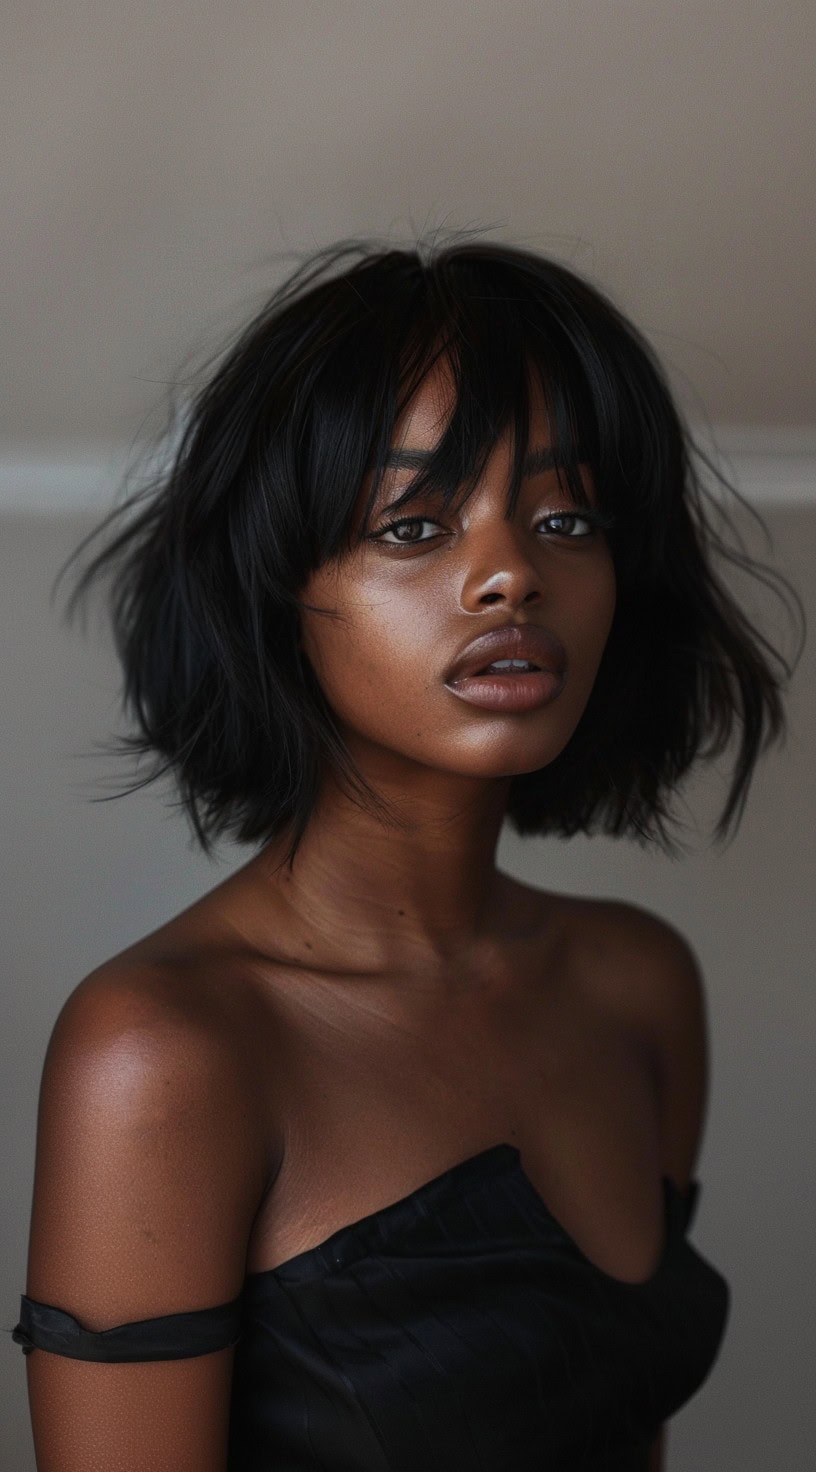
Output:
(459, 1329)
(171, 1337)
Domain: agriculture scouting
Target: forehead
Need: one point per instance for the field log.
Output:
(424, 419)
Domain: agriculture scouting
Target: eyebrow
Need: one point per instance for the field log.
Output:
(544, 458)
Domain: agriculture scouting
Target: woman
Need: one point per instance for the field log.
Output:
(374, 1157)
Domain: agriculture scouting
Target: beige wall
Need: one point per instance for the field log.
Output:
(157, 154)
(80, 881)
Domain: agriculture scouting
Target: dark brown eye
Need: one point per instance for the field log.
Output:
(571, 517)
(405, 521)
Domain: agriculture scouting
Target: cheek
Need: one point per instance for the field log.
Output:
(601, 602)
(370, 652)
(586, 631)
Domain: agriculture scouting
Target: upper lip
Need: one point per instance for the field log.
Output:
(512, 641)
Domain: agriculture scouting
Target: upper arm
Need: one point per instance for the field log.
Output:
(675, 1019)
(146, 1182)
(657, 981)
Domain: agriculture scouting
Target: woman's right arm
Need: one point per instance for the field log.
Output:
(147, 1180)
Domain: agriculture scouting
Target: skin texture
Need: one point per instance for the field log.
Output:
(405, 607)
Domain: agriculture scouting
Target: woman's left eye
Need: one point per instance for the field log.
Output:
(405, 521)
(572, 516)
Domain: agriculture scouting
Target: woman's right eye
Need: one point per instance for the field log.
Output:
(405, 521)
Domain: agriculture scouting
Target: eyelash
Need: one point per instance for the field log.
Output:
(597, 520)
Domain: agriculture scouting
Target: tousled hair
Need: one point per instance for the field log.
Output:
(261, 491)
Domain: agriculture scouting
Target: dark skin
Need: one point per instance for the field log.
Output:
(409, 902)
(391, 956)
(452, 951)
(394, 1004)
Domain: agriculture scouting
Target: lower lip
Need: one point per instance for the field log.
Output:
(509, 692)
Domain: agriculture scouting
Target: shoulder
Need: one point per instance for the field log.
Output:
(155, 1046)
(146, 1185)
(121, 1007)
(644, 970)
(635, 957)
(627, 955)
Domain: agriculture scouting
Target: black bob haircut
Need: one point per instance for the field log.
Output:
(261, 491)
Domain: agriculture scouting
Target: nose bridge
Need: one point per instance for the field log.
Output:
(487, 505)
(499, 554)
(486, 514)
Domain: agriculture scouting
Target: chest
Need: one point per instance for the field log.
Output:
(374, 1101)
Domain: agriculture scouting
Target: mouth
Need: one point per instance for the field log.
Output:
(503, 669)
(519, 652)
(508, 691)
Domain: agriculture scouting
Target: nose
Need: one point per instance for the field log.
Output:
(506, 595)
(500, 568)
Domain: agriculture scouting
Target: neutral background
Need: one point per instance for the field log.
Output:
(156, 159)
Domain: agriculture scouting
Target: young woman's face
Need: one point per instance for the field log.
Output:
(409, 601)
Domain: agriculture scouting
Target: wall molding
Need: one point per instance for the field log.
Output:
(769, 466)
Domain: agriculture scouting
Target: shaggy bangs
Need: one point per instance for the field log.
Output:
(265, 487)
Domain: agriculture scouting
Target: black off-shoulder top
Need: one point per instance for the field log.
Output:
(459, 1329)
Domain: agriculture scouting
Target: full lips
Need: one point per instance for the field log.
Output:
(509, 692)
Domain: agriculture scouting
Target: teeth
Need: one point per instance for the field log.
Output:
(511, 664)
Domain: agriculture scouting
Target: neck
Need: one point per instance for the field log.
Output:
(377, 896)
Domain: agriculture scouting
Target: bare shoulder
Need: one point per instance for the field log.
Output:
(155, 1033)
(634, 956)
(622, 956)
(644, 968)
(639, 964)
(146, 1183)
(630, 956)
(638, 970)
(124, 999)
